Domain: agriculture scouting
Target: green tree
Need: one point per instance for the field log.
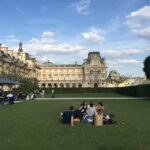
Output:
(146, 68)
(115, 78)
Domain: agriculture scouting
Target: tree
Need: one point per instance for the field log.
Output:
(115, 78)
(146, 68)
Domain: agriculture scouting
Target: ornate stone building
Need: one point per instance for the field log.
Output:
(17, 63)
(92, 73)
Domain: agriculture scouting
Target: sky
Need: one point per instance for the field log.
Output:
(64, 31)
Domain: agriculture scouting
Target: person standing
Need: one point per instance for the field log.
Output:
(53, 93)
(1, 97)
(43, 92)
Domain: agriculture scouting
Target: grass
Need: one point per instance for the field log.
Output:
(35, 125)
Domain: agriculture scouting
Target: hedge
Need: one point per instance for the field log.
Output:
(139, 91)
(25, 89)
(81, 90)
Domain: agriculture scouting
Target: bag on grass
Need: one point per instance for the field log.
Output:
(98, 120)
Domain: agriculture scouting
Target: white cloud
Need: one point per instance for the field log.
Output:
(47, 37)
(145, 32)
(93, 35)
(122, 60)
(116, 62)
(34, 40)
(45, 46)
(12, 38)
(48, 34)
(122, 53)
(82, 7)
(44, 58)
(40, 47)
(142, 12)
(139, 22)
(124, 66)
(127, 61)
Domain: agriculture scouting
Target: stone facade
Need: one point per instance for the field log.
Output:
(17, 63)
(92, 73)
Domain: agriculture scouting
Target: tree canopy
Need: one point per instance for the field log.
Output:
(146, 68)
(115, 78)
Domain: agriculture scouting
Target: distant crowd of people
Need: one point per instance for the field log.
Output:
(9, 97)
(87, 113)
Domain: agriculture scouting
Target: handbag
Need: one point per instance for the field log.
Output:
(98, 120)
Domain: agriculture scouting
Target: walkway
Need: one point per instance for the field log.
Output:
(88, 98)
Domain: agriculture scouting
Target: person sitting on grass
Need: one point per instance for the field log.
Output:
(83, 108)
(69, 116)
(106, 116)
(88, 118)
(100, 108)
(98, 115)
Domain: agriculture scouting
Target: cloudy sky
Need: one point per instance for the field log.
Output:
(64, 31)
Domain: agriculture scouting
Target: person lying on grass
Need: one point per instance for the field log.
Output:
(70, 116)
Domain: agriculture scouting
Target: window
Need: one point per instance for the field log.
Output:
(61, 85)
(79, 85)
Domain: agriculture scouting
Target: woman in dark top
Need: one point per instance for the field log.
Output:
(83, 108)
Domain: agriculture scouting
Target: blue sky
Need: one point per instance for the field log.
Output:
(64, 31)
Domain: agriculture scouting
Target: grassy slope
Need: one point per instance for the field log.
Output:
(35, 126)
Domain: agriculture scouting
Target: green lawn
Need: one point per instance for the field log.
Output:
(35, 125)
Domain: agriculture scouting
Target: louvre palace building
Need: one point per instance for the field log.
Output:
(92, 73)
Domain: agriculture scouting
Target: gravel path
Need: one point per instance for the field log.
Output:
(80, 98)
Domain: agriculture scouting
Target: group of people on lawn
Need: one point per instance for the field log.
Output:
(87, 113)
(9, 97)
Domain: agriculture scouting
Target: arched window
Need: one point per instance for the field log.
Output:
(55, 85)
(49, 85)
(43, 85)
(61, 85)
(67, 85)
(73, 85)
(95, 85)
(79, 85)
